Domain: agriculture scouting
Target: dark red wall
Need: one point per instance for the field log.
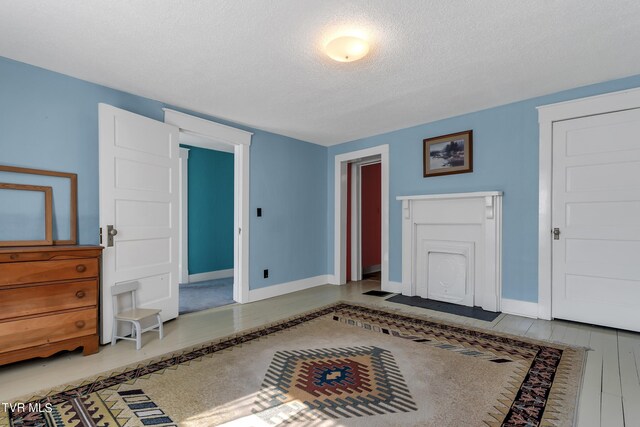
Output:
(348, 222)
(371, 215)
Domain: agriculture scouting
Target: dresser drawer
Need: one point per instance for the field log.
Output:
(17, 334)
(47, 271)
(28, 300)
(50, 253)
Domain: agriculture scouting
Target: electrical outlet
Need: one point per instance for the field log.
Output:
(266, 273)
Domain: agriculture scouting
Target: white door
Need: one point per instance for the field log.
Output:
(139, 197)
(596, 208)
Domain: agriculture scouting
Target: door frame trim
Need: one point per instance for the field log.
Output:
(340, 211)
(356, 216)
(183, 250)
(240, 140)
(547, 115)
(356, 241)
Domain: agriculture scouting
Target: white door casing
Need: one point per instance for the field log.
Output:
(139, 196)
(356, 215)
(183, 267)
(340, 212)
(596, 208)
(356, 241)
(216, 136)
(548, 115)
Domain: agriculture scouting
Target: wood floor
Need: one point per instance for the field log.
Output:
(610, 395)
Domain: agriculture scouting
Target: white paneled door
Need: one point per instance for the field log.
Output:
(596, 211)
(139, 199)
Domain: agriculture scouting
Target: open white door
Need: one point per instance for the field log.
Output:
(139, 198)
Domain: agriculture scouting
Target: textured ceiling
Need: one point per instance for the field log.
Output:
(260, 63)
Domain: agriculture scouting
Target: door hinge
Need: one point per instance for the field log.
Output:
(100, 235)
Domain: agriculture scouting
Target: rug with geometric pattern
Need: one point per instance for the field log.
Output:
(341, 365)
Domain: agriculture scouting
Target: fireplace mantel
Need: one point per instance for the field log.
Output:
(451, 195)
(452, 247)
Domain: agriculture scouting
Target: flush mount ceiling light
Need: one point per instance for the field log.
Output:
(347, 48)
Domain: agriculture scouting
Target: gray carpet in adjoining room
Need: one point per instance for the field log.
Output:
(208, 294)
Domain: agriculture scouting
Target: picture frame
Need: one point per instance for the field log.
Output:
(48, 215)
(73, 197)
(448, 154)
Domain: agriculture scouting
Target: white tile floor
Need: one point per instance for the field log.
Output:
(610, 393)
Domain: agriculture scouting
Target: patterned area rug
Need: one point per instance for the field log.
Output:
(342, 365)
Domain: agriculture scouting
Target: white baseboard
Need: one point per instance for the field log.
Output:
(288, 287)
(332, 279)
(395, 287)
(519, 308)
(210, 275)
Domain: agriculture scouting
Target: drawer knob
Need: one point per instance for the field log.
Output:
(80, 324)
(80, 294)
(81, 268)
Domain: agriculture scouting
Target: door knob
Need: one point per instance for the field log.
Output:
(110, 233)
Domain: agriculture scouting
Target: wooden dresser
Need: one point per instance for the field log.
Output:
(48, 300)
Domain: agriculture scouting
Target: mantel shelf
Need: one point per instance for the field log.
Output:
(451, 195)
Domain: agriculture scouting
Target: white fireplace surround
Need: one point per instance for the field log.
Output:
(452, 247)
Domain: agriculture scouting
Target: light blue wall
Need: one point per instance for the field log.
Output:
(289, 184)
(22, 214)
(505, 157)
(50, 121)
(210, 198)
(61, 200)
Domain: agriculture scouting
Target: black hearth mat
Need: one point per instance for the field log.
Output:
(460, 310)
(377, 293)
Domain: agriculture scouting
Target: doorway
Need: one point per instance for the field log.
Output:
(342, 163)
(364, 220)
(594, 210)
(206, 225)
(588, 227)
(216, 136)
(139, 205)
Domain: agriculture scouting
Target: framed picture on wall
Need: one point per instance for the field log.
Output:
(448, 154)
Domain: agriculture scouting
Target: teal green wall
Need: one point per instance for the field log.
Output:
(210, 198)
